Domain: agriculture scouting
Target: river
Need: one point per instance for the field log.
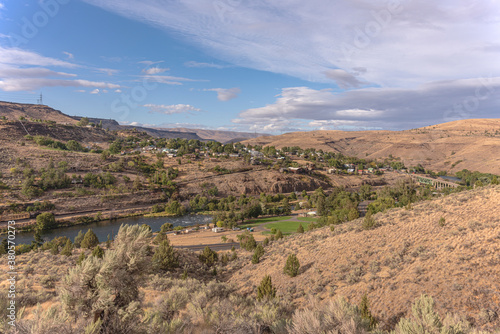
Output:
(106, 227)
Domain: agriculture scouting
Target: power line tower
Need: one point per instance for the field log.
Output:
(40, 100)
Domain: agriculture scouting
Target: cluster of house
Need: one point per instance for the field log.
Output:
(299, 170)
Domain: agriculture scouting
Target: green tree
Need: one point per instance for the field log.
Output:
(292, 266)
(208, 256)
(80, 258)
(247, 241)
(84, 121)
(265, 290)
(278, 235)
(165, 257)
(45, 221)
(98, 252)
(369, 222)
(90, 240)
(167, 227)
(257, 254)
(67, 249)
(366, 314)
(300, 229)
(78, 239)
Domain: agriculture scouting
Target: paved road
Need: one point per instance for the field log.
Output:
(214, 247)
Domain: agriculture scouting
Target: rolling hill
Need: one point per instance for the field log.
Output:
(473, 144)
(411, 252)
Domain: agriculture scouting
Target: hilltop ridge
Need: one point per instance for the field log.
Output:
(473, 144)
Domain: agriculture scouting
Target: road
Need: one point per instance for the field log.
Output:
(214, 247)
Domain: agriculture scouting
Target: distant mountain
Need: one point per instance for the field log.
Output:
(14, 111)
(220, 135)
(473, 144)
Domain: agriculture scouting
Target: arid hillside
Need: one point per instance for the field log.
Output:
(219, 135)
(447, 248)
(473, 144)
(13, 111)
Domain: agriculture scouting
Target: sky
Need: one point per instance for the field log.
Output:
(257, 66)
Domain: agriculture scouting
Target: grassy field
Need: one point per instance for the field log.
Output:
(285, 227)
(308, 219)
(257, 222)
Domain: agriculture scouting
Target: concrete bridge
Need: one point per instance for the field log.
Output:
(436, 183)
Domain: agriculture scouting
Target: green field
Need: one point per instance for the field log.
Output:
(257, 222)
(308, 219)
(285, 227)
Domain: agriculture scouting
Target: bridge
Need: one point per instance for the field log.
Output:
(438, 184)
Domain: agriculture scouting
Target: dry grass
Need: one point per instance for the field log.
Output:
(408, 255)
(430, 146)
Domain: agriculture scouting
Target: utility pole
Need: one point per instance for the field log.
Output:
(40, 100)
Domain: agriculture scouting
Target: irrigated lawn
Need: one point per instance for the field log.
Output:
(285, 227)
(256, 222)
(308, 219)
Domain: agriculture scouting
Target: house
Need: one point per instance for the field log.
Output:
(217, 229)
(296, 170)
(332, 170)
(312, 213)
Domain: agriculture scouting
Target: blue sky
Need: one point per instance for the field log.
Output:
(255, 66)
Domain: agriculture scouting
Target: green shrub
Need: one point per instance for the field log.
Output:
(165, 257)
(78, 239)
(278, 235)
(258, 253)
(247, 241)
(300, 229)
(266, 289)
(369, 222)
(45, 221)
(366, 314)
(292, 266)
(90, 240)
(80, 258)
(67, 249)
(98, 252)
(208, 256)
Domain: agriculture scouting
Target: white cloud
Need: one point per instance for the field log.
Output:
(8, 71)
(396, 108)
(22, 70)
(343, 79)
(171, 109)
(150, 62)
(154, 70)
(95, 91)
(30, 84)
(169, 80)
(21, 57)
(202, 65)
(225, 94)
(80, 90)
(399, 43)
(118, 90)
(108, 71)
(69, 55)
